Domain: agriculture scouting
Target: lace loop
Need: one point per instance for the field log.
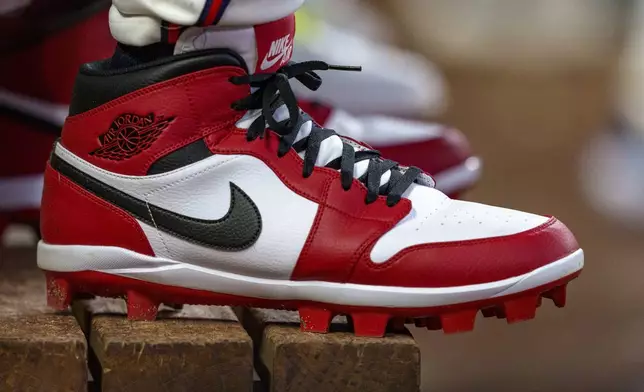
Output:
(273, 90)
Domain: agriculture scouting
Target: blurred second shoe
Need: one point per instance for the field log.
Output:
(392, 82)
(439, 150)
(613, 162)
(611, 174)
(36, 80)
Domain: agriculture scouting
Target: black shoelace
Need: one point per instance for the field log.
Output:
(273, 90)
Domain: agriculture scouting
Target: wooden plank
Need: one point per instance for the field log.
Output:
(39, 350)
(198, 348)
(290, 360)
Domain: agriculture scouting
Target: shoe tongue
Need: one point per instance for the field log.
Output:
(331, 148)
(265, 47)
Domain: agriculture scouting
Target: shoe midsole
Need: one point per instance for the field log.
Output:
(123, 262)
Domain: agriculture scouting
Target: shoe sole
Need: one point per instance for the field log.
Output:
(371, 308)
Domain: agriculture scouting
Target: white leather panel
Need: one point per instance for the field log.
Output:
(437, 218)
(202, 191)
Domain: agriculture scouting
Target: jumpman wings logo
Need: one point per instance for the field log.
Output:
(129, 135)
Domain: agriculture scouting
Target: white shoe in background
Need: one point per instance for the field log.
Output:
(612, 178)
(392, 81)
(613, 164)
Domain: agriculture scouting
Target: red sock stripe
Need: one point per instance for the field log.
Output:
(170, 32)
(213, 12)
(174, 31)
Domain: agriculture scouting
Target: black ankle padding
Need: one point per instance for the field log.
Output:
(128, 56)
(98, 83)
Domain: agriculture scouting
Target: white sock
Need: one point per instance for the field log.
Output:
(145, 22)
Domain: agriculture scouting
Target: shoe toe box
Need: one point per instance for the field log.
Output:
(456, 243)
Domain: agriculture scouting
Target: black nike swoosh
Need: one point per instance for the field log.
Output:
(237, 230)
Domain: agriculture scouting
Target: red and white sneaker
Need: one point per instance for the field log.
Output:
(441, 151)
(36, 82)
(172, 183)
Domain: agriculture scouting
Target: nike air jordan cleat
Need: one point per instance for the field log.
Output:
(36, 81)
(173, 183)
(441, 151)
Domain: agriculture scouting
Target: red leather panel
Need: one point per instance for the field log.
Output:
(199, 104)
(470, 262)
(73, 216)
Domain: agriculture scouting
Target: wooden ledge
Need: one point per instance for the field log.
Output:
(198, 348)
(39, 350)
(290, 360)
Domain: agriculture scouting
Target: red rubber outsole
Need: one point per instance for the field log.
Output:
(143, 300)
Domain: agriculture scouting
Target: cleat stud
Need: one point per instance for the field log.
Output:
(59, 293)
(488, 312)
(370, 324)
(558, 296)
(460, 321)
(397, 325)
(315, 319)
(420, 322)
(140, 307)
(434, 323)
(520, 309)
(539, 301)
(500, 312)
